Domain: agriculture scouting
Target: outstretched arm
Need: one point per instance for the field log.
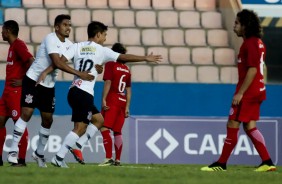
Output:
(135, 58)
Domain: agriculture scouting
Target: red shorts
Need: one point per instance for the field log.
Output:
(114, 118)
(245, 111)
(10, 104)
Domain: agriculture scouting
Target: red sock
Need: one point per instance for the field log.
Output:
(118, 145)
(258, 140)
(108, 143)
(23, 145)
(2, 139)
(229, 144)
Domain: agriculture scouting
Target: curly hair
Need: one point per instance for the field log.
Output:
(250, 20)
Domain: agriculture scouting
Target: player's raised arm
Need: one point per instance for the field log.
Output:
(134, 58)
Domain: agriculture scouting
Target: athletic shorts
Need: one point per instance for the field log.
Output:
(38, 96)
(114, 118)
(10, 103)
(82, 105)
(245, 111)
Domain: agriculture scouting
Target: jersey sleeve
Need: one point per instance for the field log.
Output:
(110, 55)
(51, 45)
(254, 54)
(108, 73)
(69, 54)
(22, 52)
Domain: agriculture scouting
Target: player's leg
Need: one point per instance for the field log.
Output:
(3, 133)
(22, 149)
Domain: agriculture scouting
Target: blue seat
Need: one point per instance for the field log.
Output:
(1, 17)
(11, 3)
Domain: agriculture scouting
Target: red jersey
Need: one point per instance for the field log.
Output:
(252, 54)
(120, 77)
(17, 61)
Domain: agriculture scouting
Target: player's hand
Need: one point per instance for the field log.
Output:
(237, 99)
(99, 68)
(41, 78)
(154, 58)
(126, 113)
(105, 108)
(86, 76)
(16, 82)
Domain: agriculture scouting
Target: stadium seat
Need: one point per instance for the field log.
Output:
(32, 3)
(1, 17)
(224, 56)
(184, 4)
(80, 17)
(146, 18)
(81, 34)
(39, 32)
(4, 51)
(208, 74)
(179, 55)
(17, 14)
(141, 73)
(195, 37)
(217, 38)
(163, 51)
(202, 56)
(54, 4)
(105, 16)
(174, 37)
(192, 22)
(186, 74)
(30, 47)
(163, 73)
(119, 4)
(167, 19)
(129, 36)
(37, 17)
(162, 4)
(211, 20)
(137, 50)
(76, 3)
(124, 18)
(137, 4)
(205, 5)
(11, 3)
(2, 69)
(24, 33)
(152, 37)
(53, 13)
(229, 75)
(60, 75)
(97, 4)
(112, 36)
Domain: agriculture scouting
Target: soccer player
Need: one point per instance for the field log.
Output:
(18, 61)
(42, 96)
(115, 105)
(250, 93)
(81, 93)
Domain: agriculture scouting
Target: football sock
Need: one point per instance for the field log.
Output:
(68, 143)
(19, 129)
(259, 143)
(229, 144)
(3, 133)
(23, 145)
(118, 144)
(43, 138)
(90, 132)
(108, 143)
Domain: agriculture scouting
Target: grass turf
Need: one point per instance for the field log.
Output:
(135, 174)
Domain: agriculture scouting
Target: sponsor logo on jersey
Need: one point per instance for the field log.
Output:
(87, 50)
(122, 69)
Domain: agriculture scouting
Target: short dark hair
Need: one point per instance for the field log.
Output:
(59, 19)
(250, 20)
(96, 27)
(120, 48)
(13, 26)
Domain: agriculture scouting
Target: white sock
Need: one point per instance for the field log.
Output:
(42, 141)
(90, 132)
(69, 141)
(17, 134)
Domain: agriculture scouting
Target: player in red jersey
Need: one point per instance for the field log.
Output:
(250, 93)
(115, 105)
(18, 61)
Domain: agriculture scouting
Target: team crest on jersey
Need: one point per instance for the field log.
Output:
(89, 117)
(14, 113)
(28, 98)
(231, 111)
